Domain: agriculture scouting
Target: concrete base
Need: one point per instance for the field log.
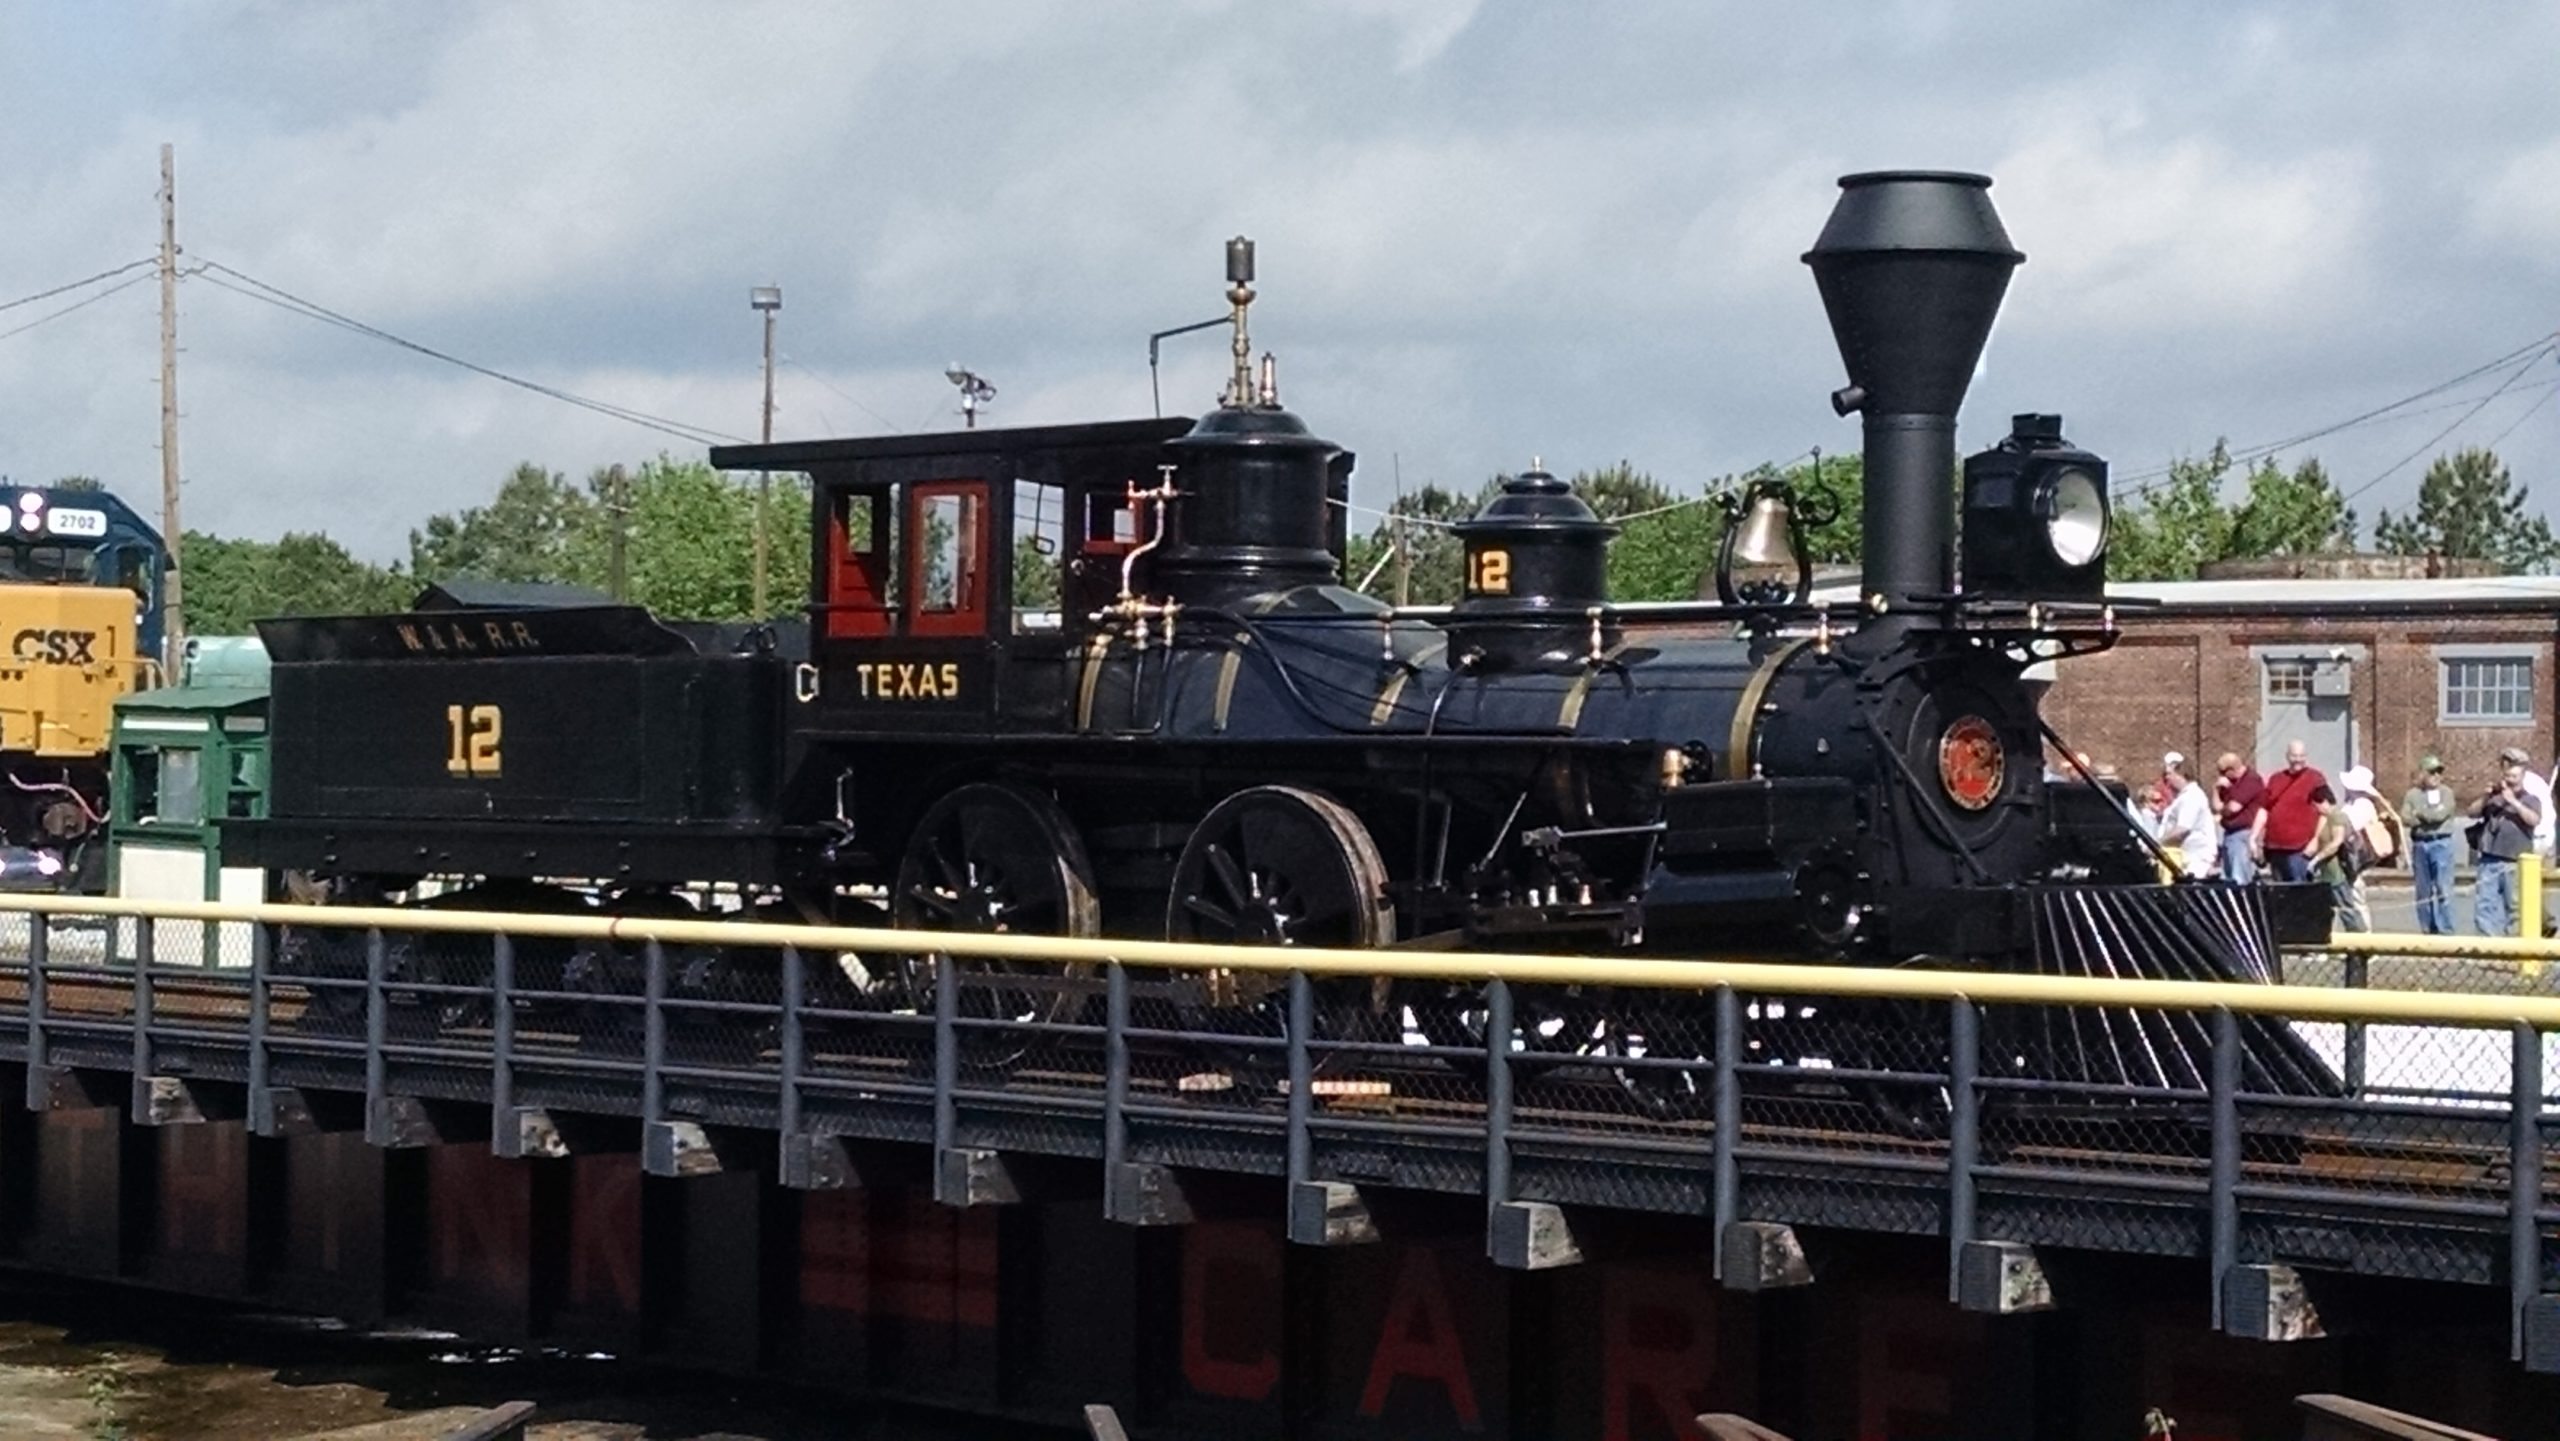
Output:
(69, 1088)
(1142, 1193)
(966, 1176)
(400, 1122)
(2542, 1335)
(2268, 1303)
(180, 1101)
(1330, 1213)
(1761, 1256)
(818, 1163)
(1530, 1236)
(2001, 1278)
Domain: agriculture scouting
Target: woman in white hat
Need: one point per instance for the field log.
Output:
(2370, 842)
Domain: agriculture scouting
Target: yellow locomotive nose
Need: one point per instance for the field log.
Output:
(66, 654)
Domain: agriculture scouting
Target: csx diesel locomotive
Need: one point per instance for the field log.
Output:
(1212, 738)
(80, 583)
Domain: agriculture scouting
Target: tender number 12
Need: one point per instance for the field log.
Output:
(473, 732)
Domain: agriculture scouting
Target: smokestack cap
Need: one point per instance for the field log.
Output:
(1912, 266)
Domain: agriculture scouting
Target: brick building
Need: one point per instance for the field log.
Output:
(2366, 671)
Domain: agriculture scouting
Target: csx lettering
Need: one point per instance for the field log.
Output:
(458, 637)
(908, 680)
(55, 647)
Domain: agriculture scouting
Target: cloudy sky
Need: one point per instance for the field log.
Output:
(1487, 230)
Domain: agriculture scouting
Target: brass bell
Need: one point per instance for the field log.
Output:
(1761, 539)
(1761, 561)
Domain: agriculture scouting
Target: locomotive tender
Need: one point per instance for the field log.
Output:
(1213, 738)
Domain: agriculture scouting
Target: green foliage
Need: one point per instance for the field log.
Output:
(1660, 542)
(525, 535)
(688, 535)
(1432, 569)
(2170, 531)
(1035, 576)
(2296, 512)
(79, 482)
(231, 583)
(2470, 508)
(2174, 529)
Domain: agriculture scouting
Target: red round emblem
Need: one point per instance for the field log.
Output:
(1971, 763)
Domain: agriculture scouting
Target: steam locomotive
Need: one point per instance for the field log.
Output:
(1212, 738)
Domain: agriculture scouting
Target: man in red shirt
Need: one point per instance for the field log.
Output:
(2289, 817)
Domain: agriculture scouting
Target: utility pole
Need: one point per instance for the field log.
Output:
(767, 298)
(1402, 538)
(172, 601)
(617, 491)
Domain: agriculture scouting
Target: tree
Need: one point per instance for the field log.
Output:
(525, 535)
(2297, 512)
(78, 482)
(2170, 531)
(1436, 557)
(1660, 542)
(1035, 575)
(233, 583)
(692, 540)
(2470, 508)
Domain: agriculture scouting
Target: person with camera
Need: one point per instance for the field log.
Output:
(2508, 815)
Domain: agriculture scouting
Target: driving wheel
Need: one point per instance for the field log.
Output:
(993, 857)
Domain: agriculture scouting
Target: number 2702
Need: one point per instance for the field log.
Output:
(473, 733)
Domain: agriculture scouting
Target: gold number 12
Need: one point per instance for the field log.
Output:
(474, 731)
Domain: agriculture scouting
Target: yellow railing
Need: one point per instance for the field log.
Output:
(2324, 1003)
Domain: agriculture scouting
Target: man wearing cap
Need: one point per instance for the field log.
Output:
(2508, 814)
(2186, 820)
(2429, 811)
(2291, 819)
(2238, 794)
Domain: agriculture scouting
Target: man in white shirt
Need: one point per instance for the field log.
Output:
(2187, 823)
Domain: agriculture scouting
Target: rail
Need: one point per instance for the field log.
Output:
(1749, 1093)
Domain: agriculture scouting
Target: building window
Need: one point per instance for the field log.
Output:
(2290, 679)
(2487, 690)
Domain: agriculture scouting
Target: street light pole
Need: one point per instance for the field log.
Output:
(767, 298)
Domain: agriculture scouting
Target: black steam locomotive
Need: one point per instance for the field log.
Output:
(1212, 738)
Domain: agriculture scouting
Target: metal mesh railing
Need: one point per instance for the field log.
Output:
(1910, 1098)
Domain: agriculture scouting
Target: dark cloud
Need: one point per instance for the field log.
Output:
(1486, 232)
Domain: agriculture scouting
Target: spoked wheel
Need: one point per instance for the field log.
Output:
(1551, 1025)
(1645, 1028)
(1281, 866)
(998, 858)
(1900, 1036)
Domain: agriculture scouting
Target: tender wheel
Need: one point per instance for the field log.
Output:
(1281, 866)
(994, 857)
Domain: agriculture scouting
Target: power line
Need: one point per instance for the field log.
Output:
(2528, 352)
(856, 401)
(2458, 423)
(81, 304)
(286, 300)
(77, 284)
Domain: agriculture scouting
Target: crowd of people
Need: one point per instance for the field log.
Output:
(2298, 825)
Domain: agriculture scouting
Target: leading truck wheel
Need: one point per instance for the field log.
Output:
(1280, 866)
(997, 858)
